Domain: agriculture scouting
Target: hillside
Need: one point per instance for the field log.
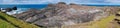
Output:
(16, 22)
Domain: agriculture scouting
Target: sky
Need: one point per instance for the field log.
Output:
(94, 2)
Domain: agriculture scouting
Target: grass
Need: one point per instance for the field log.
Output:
(18, 22)
(4, 24)
(103, 22)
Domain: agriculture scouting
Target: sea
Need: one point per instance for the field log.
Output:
(24, 7)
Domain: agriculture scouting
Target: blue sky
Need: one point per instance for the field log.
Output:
(94, 2)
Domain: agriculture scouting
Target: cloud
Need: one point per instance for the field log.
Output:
(56, 1)
(113, 1)
(27, 1)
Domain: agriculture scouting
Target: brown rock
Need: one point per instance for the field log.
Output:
(61, 3)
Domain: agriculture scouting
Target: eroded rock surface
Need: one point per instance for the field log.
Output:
(62, 14)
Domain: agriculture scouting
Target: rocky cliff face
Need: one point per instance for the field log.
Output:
(62, 14)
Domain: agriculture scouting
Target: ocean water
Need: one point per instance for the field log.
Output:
(23, 5)
(22, 8)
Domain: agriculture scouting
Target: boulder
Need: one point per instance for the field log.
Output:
(14, 8)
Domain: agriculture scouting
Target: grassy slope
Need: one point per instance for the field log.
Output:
(103, 22)
(4, 24)
(17, 22)
(94, 24)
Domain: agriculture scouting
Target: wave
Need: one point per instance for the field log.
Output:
(19, 10)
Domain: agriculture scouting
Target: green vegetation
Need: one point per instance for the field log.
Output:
(103, 22)
(4, 24)
(17, 22)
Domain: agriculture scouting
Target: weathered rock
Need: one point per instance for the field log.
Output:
(27, 14)
(35, 18)
(62, 14)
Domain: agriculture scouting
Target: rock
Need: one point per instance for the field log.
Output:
(117, 21)
(0, 9)
(8, 9)
(27, 14)
(14, 8)
(61, 3)
(117, 14)
(50, 22)
(56, 15)
(35, 18)
(73, 4)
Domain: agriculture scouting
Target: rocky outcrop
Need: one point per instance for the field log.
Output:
(62, 14)
(8, 9)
